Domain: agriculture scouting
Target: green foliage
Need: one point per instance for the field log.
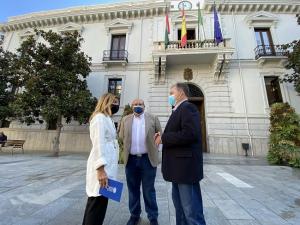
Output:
(293, 53)
(54, 73)
(54, 79)
(9, 80)
(127, 111)
(284, 136)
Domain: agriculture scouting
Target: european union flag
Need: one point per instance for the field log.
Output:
(218, 33)
(113, 190)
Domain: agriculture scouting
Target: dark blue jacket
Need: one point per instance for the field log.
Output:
(182, 160)
(3, 138)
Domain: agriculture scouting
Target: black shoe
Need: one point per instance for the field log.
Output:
(153, 222)
(133, 220)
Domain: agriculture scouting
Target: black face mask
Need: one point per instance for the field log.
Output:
(114, 108)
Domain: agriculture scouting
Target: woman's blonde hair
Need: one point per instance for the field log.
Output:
(104, 105)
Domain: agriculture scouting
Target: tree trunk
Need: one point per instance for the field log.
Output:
(57, 137)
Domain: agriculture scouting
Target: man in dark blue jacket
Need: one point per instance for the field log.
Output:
(182, 162)
(3, 139)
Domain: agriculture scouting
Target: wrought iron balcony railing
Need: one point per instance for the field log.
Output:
(196, 44)
(192, 44)
(269, 50)
(115, 55)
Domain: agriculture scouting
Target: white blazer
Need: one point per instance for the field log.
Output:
(105, 151)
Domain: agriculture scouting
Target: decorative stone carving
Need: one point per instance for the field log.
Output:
(188, 74)
(221, 66)
(27, 33)
(261, 19)
(119, 25)
(70, 27)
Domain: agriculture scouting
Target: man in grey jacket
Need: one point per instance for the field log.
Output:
(141, 159)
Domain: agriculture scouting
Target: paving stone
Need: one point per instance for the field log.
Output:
(243, 222)
(232, 210)
(51, 191)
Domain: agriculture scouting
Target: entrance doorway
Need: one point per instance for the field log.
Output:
(197, 98)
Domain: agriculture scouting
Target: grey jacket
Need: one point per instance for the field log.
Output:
(152, 125)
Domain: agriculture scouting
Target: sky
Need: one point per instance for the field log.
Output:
(10, 8)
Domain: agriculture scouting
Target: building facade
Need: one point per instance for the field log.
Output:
(233, 84)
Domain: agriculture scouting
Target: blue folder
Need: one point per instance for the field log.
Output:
(113, 190)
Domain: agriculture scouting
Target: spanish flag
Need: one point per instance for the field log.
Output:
(183, 31)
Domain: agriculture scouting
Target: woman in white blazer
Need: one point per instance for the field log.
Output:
(103, 160)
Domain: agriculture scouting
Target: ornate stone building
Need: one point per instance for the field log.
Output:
(233, 84)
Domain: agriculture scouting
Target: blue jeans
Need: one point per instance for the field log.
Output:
(139, 171)
(187, 200)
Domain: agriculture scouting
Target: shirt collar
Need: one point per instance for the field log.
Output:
(179, 103)
(142, 116)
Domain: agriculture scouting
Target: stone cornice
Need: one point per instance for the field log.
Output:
(251, 6)
(139, 9)
(131, 66)
(86, 14)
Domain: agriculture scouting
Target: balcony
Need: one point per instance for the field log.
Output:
(270, 54)
(115, 57)
(202, 47)
(207, 52)
(193, 44)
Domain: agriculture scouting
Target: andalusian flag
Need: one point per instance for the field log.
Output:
(200, 19)
(167, 32)
(183, 31)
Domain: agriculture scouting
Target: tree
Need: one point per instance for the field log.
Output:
(293, 53)
(284, 146)
(9, 81)
(54, 72)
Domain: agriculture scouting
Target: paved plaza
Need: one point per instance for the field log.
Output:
(39, 189)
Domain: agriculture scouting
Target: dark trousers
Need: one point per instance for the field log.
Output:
(95, 210)
(139, 171)
(187, 200)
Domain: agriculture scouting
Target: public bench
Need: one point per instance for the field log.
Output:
(13, 145)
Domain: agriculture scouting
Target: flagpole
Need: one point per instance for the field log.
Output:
(203, 28)
(167, 29)
(198, 22)
(203, 32)
(182, 14)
